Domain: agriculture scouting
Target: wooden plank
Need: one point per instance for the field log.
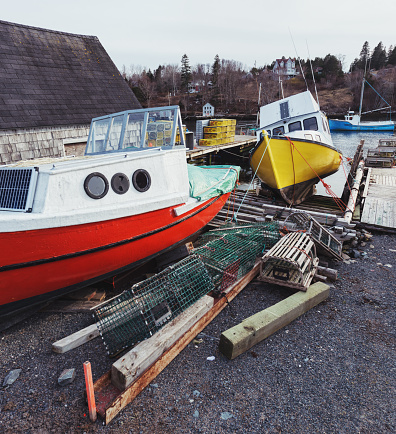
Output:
(113, 400)
(71, 306)
(249, 332)
(130, 366)
(76, 339)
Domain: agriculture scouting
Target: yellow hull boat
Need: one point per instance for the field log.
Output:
(294, 147)
(292, 167)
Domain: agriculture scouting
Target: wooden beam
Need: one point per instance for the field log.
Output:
(130, 366)
(252, 330)
(111, 400)
(76, 339)
(328, 272)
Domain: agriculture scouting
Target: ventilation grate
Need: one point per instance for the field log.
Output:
(17, 187)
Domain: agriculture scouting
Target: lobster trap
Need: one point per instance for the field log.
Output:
(266, 233)
(325, 242)
(292, 262)
(139, 312)
(231, 251)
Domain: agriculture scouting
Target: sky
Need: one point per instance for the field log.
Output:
(148, 33)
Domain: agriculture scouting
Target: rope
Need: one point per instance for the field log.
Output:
(327, 187)
(251, 182)
(294, 171)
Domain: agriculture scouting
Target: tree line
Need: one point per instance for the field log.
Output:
(232, 88)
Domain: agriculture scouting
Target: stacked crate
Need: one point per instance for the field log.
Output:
(219, 132)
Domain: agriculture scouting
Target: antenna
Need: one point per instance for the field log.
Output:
(258, 104)
(298, 58)
(313, 75)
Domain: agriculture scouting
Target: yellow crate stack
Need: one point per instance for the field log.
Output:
(219, 132)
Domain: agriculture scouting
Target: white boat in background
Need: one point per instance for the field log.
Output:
(294, 147)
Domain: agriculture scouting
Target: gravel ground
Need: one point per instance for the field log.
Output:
(331, 370)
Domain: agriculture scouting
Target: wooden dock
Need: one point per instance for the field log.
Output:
(242, 143)
(379, 210)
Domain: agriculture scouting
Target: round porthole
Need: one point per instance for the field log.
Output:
(96, 185)
(141, 180)
(120, 183)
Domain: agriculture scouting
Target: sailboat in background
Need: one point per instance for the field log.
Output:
(353, 122)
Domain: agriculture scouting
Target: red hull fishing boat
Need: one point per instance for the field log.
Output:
(67, 223)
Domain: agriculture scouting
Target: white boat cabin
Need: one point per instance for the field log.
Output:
(297, 116)
(135, 162)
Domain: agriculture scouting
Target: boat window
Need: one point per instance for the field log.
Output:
(97, 136)
(308, 136)
(136, 129)
(324, 125)
(310, 124)
(133, 131)
(295, 126)
(278, 131)
(114, 133)
(317, 138)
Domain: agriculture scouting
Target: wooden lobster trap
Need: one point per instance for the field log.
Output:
(292, 262)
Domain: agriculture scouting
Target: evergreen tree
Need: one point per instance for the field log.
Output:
(185, 73)
(332, 66)
(360, 63)
(378, 58)
(392, 56)
(215, 71)
(365, 51)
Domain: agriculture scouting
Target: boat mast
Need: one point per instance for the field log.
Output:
(361, 97)
(281, 87)
(313, 76)
(362, 91)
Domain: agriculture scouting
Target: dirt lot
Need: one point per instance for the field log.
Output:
(331, 370)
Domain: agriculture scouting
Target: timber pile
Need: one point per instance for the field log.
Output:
(252, 208)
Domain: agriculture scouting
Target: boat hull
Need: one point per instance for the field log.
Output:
(292, 167)
(42, 264)
(340, 125)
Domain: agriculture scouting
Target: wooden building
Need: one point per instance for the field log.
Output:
(51, 85)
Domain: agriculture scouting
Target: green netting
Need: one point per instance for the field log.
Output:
(138, 313)
(231, 251)
(266, 233)
(210, 181)
(228, 253)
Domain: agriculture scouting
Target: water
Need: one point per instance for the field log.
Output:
(347, 142)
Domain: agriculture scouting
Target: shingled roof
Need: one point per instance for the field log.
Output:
(50, 78)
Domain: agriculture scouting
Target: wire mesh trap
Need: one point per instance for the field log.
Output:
(266, 233)
(231, 251)
(139, 312)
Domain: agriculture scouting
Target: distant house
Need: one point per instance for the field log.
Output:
(194, 87)
(285, 67)
(208, 110)
(51, 85)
